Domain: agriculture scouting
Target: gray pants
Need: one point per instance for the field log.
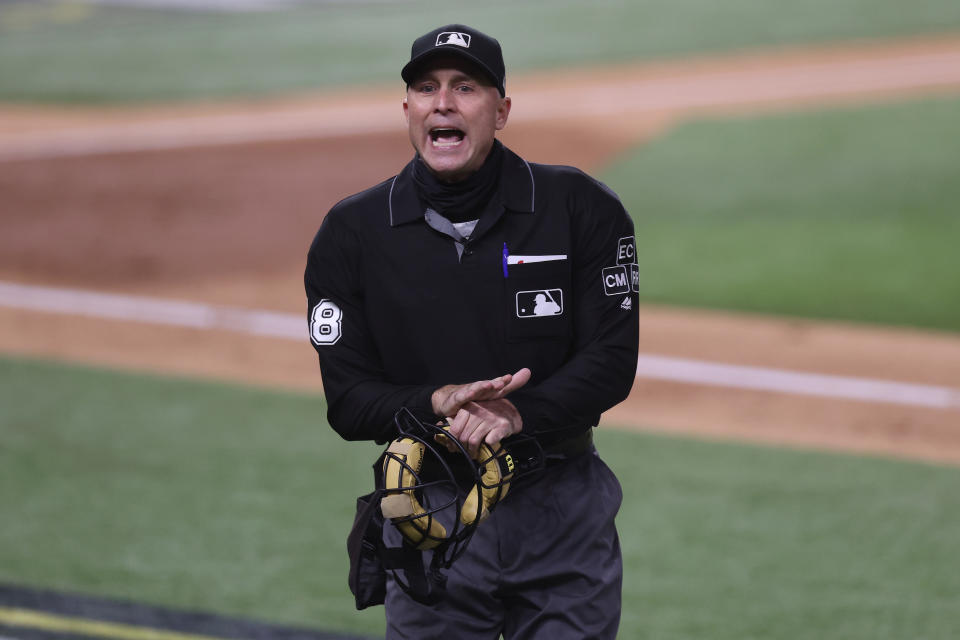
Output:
(546, 564)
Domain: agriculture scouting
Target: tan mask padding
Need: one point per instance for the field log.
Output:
(426, 532)
(422, 532)
(481, 499)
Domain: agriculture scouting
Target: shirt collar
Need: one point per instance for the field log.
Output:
(517, 190)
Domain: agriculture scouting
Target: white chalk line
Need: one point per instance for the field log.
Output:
(176, 313)
(766, 379)
(288, 326)
(631, 96)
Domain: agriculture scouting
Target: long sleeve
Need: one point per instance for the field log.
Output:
(602, 367)
(361, 401)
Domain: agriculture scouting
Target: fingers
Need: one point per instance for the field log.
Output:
(485, 422)
(480, 390)
(516, 381)
(446, 441)
(448, 400)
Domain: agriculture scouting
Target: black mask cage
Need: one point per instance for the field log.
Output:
(440, 484)
(439, 468)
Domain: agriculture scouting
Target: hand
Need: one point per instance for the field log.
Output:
(486, 421)
(448, 400)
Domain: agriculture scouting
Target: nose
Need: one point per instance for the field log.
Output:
(444, 101)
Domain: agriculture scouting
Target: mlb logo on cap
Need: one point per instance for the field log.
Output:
(454, 37)
(456, 40)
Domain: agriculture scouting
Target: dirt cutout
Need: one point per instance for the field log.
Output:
(218, 203)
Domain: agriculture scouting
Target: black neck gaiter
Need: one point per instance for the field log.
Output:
(464, 200)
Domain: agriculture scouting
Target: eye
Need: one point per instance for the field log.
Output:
(464, 88)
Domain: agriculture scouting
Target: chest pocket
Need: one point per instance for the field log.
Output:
(537, 300)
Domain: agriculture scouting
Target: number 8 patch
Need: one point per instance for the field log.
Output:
(325, 327)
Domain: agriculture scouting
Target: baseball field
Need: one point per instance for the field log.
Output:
(788, 454)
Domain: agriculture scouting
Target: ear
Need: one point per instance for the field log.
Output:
(406, 111)
(503, 112)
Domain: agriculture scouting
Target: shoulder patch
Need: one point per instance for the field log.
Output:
(626, 250)
(326, 323)
(616, 280)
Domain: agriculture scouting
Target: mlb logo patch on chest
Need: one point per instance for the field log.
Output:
(539, 303)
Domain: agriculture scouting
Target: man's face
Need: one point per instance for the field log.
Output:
(453, 112)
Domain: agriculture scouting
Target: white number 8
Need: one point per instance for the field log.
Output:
(325, 322)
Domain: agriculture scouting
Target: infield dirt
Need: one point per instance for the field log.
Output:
(128, 201)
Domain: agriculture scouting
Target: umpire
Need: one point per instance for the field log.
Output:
(500, 294)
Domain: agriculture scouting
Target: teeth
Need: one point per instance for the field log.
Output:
(446, 137)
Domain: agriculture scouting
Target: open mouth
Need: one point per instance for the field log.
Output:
(446, 137)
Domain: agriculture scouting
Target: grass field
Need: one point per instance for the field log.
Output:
(238, 501)
(846, 214)
(56, 51)
(194, 495)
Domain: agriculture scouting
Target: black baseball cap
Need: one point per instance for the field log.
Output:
(458, 40)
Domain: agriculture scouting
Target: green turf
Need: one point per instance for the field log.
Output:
(179, 493)
(238, 501)
(846, 214)
(62, 51)
(733, 542)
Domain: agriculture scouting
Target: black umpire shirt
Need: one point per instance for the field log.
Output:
(398, 305)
